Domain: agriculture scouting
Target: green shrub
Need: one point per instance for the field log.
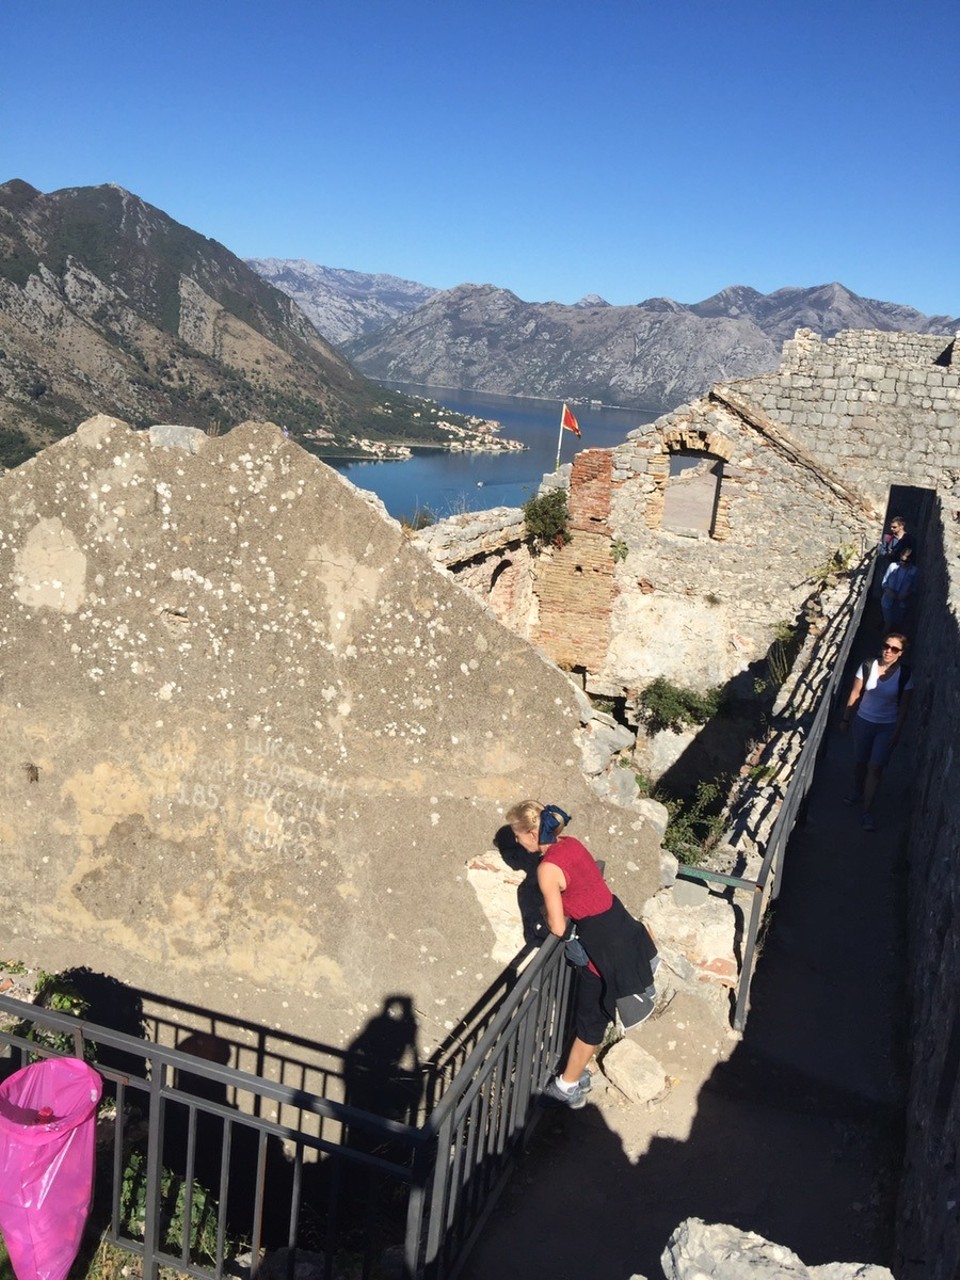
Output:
(618, 550)
(697, 825)
(546, 518)
(53, 991)
(664, 705)
(202, 1227)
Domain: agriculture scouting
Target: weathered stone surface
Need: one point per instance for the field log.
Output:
(669, 866)
(702, 930)
(600, 742)
(265, 737)
(655, 754)
(657, 815)
(170, 436)
(699, 1250)
(617, 784)
(633, 1071)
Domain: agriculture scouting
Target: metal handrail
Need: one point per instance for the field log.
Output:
(767, 883)
(449, 1169)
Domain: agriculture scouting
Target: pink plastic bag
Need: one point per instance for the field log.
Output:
(46, 1164)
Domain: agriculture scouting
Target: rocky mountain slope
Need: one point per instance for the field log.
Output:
(342, 304)
(107, 304)
(653, 355)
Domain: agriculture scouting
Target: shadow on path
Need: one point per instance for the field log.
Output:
(797, 1135)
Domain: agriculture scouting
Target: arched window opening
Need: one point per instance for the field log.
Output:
(692, 493)
(498, 573)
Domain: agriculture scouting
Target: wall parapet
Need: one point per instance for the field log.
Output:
(460, 539)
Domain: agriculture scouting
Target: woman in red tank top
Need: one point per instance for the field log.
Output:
(619, 948)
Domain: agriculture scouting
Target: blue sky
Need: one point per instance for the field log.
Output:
(630, 148)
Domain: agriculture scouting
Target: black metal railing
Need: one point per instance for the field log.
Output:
(209, 1170)
(807, 713)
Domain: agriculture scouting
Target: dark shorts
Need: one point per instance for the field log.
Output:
(590, 1019)
(871, 742)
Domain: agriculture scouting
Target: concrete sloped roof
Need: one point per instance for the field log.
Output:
(252, 736)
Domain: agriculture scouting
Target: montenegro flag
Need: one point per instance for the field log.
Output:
(568, 421)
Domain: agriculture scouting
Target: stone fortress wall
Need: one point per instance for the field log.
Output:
(254, 740)
(801, 460)
(929, 1215)
(867, 408)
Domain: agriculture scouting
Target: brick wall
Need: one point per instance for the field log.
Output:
(575, 588)
(590, 491)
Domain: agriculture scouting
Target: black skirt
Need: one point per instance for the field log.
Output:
(622, 951)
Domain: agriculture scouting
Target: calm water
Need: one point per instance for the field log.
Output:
(448, 483)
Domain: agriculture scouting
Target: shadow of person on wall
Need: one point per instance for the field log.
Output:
(382, 1072)
(219, 1141)
(384, 1078)
(529, 897)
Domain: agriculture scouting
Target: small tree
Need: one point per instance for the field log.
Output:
(546, 517)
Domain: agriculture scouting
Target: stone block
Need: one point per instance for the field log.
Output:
(690, 893)
(617, 784)
(669, 865)
(634, 1071)
(701, 928)
(599, 742)
(654, 812)
(170, 436)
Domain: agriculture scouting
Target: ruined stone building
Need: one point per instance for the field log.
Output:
(803, 462)
(704, 530)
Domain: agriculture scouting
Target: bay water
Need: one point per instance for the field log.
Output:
(450, 483)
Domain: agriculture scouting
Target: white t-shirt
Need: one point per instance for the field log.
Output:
(880, 703)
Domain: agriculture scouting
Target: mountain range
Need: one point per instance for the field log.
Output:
(342, 304)
(109, 305)
(653, 355)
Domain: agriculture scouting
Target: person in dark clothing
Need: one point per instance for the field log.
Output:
(618, 955)
(895, 540)
(898, 587)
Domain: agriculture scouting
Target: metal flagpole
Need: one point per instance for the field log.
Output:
(560, 440)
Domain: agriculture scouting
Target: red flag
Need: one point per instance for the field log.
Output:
(568, 421)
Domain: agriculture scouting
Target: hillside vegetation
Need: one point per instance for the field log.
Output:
(109, 305)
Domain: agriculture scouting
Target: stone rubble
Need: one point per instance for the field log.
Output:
(711, 1251)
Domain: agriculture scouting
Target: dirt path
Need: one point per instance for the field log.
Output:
(793, 1132)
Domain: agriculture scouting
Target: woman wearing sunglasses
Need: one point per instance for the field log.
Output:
(878, 705)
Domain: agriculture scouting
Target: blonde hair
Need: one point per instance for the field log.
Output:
(526, 816)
